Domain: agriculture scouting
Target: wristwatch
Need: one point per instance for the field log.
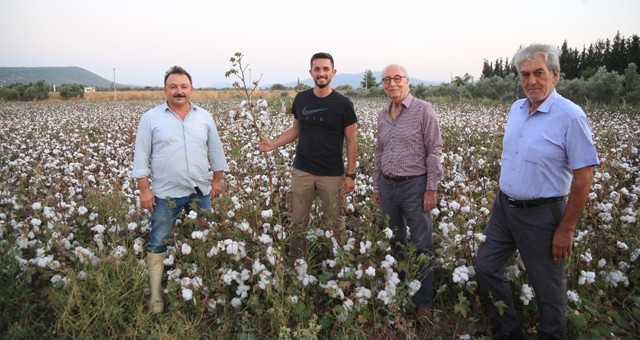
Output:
(352, 176)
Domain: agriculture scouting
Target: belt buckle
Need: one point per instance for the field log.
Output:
(512, 202)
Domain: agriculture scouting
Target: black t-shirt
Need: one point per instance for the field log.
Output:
(321, 140)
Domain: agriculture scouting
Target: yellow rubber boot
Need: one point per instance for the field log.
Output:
(156, 269)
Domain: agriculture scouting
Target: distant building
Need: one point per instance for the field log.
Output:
(90, 89)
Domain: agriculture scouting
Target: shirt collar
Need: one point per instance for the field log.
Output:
(407, 100)
(165, 107)
(546, 104)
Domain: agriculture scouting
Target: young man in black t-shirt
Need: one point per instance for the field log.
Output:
(323, 120)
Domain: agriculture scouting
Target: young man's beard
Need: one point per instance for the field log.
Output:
(322, 85)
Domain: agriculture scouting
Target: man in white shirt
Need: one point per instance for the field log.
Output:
(177, 144)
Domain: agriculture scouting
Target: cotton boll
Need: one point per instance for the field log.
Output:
(236, 302)
(187, 294)
(573, 296)
(197, 235)
(388, 233)
(185, 249)
(526, 294)
(371, 271)
(266, 214)
(138, 246)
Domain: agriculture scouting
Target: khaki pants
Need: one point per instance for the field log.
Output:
(305, 187)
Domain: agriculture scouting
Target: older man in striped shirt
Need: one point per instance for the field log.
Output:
(407, 172)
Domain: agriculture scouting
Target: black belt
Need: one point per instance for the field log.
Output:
(400, 178)
(532, 203)
(198, 191)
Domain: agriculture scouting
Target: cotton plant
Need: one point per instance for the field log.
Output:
(301, 268)
(462, 275)
(51, 231)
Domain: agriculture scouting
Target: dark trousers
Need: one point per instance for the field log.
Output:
(403, 203)
(530, 231)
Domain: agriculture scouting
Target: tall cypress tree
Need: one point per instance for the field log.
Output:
(633, 50)
(569, 61)
(487, 69)
(617, 58)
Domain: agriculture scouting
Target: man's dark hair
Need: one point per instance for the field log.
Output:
(176, 70)
(322, 55)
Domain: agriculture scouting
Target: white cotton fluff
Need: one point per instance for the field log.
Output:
(526, 294)
(573, 296)
(586, 277)
(267, 213)
(185, 249)
(187, 294)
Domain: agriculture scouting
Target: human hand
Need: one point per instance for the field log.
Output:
(147, 199)
(562, 243)
(429, 200)
(376, 197)
(216, 188)
(349, 185)
(265, 144)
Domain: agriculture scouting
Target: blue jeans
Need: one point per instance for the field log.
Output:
(403, 203)
(164, 215)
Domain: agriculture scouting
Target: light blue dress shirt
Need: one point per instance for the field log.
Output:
(540, 150)
(177, 155)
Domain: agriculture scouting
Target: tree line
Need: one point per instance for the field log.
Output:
(602, 88)
(39, 90)
(614, 55)
(606, 73)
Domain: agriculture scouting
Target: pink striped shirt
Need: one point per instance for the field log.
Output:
(409, 145)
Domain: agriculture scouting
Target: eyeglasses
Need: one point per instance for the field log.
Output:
(396, 79)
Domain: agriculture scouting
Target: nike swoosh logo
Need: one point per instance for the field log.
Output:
(308, 112)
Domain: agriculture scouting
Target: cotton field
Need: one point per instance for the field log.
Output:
(68, 207)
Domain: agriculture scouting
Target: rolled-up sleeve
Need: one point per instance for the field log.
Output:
(217, 159)
(433, 146)
(142, 151)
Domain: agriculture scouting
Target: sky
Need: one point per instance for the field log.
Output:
(136, 41)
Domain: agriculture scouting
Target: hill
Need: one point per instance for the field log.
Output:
(78, 75)
(52, 75)
(353, 79)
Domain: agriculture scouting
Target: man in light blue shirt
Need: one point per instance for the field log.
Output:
(177, 145)
(546, 174)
